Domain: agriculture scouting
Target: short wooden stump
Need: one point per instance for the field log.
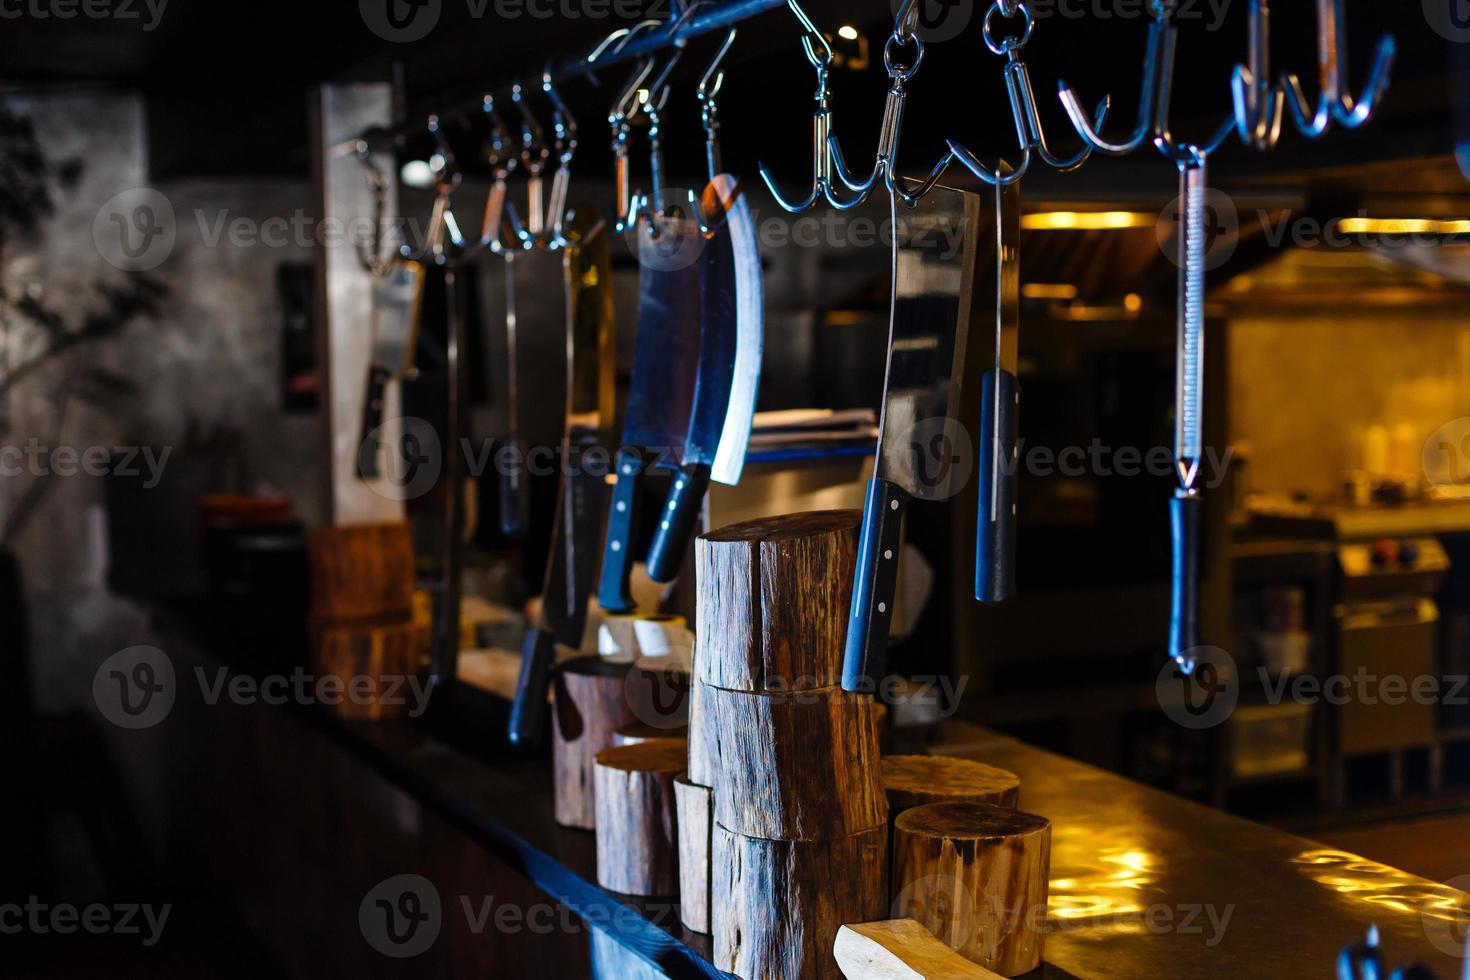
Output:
(637, 826)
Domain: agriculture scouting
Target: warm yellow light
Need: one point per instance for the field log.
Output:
(847, 32)
(1133, 302)
(1402, 226)
(1049, 290)
(1086, 220)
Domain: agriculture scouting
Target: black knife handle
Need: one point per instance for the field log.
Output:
(622, 528)
(514, 500)
(528, 707)
(995, 537)
(1184, 522)
(372, 419)
(874, 586)
(676, 522)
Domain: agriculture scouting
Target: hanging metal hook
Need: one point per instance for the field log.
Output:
(534, 156)
(819, 53)
(1334, 102)
(620, 116)
(565, 128)
(710, 84)
(1029, 133)
(1154, 99)
(1258, 101)
(501, 156)
(370, 253)
(651, 206)
(446, 179)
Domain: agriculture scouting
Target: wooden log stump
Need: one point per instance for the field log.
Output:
(704, 737)
(637, 836)
(976, 876)
(373, 665)
(591, 705)
(696, 824)
(916, 780)
(900, 949)
(638, 732)
(797, 766)
(361, 572)
(776, 906)
(773, 601)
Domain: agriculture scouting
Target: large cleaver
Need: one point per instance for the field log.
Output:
(665, 361)
(732, 333)
(935, 255)
(397, 297)
(571, 568)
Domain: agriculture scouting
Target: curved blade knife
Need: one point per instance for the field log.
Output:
(572, 565)
(934, 276)
(731, 338)
(665, 361)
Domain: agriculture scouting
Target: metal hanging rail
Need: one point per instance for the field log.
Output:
(687, 21)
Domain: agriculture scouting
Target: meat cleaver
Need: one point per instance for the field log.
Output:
(397, 297)
(731, 336)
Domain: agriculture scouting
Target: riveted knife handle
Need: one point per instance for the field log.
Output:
(995, 538)
(513, 498)
(1184, 522)
(528, 707)
(613, 594)
(676, 522)
(372, 419)
(874, 586)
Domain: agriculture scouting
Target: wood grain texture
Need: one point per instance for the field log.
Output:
(798, 766)
(975, 875)
(657, 692)
(374, 663)
(900, 949)
(591, 704)
(361, 572)
(773, 599)
(915, 780)
(704, 736)
(637, 824)
(776, 906)
(696, 822)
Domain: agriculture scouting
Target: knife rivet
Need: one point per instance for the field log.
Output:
(887, 553)
(627, 469)
(672, 504)
(678, 484)
(664, 525)
(622, 505)
(616, 546)
(882, 607)
(893, 505)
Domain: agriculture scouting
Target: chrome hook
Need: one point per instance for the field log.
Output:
(565, 128)
(501, 156)
(1334, 102)
(1029, 132)
(534, 155)
(446, 179)
(370, 253)
(620, 116)
(1259, 103)
(819, 53)
(1154, 99)
(710, 84)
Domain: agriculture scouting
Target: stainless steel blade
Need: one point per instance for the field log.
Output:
(397, 300)
(750, 331)
(934, 280)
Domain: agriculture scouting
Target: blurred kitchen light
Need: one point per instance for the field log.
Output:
(1049, 290)
(417, 173)
(1086, 220)
(847, 32)
(1402, 226)
(1133, 302)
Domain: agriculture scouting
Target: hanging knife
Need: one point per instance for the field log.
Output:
(1186, 505)
(1000, 397)
(933, 280)
(731, 339)
(396, 301)
(665, 359)
(572, 564)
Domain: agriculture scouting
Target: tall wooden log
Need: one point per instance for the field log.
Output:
(696, 823)
(591, 705)
(637, 835)
(915, 780)
(773, 601)
(797, 766)
(976, 876)
(776, 906)
(704, 736)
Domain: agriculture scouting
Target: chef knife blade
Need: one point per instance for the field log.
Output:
(397, 298)
(934, 255)
(665, 360)
(572, 565)
(731, 337)
(1000, 395)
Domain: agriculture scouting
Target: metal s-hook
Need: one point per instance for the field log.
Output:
(446, 179)
(819, 53)
(1022, 96)
(565, 128)
(710, 84)
(619, 116)
(534, 156)
(1334, 102)
(501, 156)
